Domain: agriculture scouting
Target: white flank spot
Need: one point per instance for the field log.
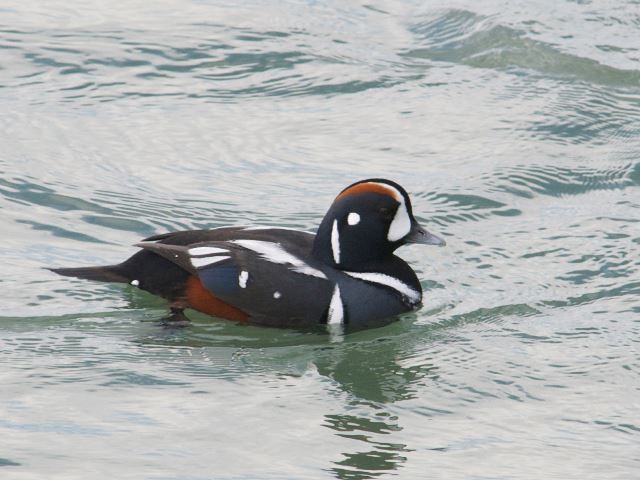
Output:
(413, 295)
(135, 283)
(335, 242)
(336, 309)
(353, 218)
(203, 262)
(242, 279)
(274, 253)
(277, 294)
(202, 251)
(401, 224)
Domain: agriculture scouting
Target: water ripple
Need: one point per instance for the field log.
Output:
(462, 37)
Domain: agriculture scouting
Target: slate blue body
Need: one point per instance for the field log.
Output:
(346, 274)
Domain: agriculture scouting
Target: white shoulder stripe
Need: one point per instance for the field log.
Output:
(273, 252)
(336, 308)
(202, 251)
(204, 261)
(414, 296)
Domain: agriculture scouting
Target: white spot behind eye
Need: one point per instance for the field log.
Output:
(353, 218)
(277, 294)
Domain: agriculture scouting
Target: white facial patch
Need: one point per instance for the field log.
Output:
(204, 261)
(412, 295)
(335, 242)
(336, 308)
(242, 279)
(401, 223)
(273, 252)
(353, 218)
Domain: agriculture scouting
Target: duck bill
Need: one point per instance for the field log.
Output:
(422, 236)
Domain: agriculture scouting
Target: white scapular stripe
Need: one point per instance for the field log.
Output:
(202, 251)
(274, 252)
(413, 295)
(242, 279)
(353, 218)
(204, 261)
(336, 308)
(335, 242)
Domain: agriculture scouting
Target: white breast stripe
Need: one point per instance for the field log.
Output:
(413, 295)
(335, 242)
(274, 252)
(202, 251)
(336, 308)
(204, 261)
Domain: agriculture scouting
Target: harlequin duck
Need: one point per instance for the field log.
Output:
(347, 273)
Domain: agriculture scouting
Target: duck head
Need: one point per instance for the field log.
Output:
(366, 223)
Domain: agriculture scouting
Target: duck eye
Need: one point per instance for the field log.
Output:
(386, 213)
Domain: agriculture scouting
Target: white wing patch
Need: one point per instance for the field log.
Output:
(335, 242)
(205, 256)
(204, 251)
(205, 261)
(273, 252)
(412, 295)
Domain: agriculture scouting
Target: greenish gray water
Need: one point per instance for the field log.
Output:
(515, 126)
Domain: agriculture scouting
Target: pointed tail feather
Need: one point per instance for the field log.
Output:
(109, 273)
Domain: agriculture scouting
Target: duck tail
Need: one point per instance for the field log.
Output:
(108, 273)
